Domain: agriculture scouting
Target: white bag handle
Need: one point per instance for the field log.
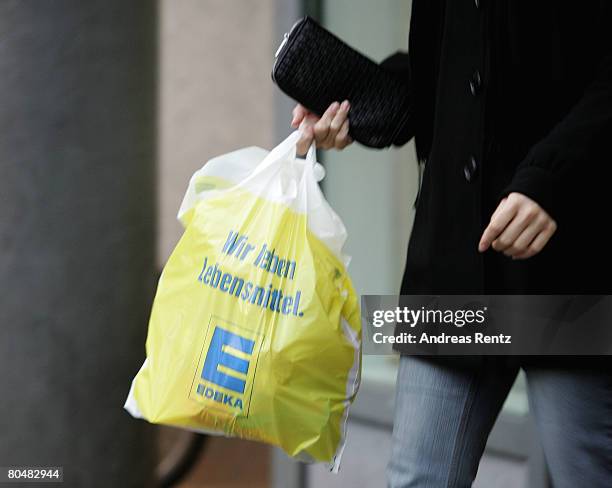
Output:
(311, 157)
(287, 149)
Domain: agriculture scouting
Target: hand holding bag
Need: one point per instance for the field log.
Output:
(316, 68)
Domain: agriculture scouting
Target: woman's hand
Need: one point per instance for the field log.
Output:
(519, 228)
(329, 131)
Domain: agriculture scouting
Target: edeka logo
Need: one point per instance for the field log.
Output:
(218, 357)
(228, 366)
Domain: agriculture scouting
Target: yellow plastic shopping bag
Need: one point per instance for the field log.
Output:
(255, 329)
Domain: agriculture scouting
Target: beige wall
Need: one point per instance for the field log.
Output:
(215, 90)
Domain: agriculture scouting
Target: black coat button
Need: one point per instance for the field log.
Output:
(475, 83)
(470, 169)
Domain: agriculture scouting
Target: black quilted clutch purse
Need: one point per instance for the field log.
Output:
(316, 68)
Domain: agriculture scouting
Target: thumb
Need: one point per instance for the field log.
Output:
(299, 113)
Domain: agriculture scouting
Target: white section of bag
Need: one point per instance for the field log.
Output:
(278, 176)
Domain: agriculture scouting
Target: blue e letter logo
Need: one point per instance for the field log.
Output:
(217, 356)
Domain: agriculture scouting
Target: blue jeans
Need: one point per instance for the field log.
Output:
(444, 414)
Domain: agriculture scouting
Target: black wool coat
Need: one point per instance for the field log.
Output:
(509, 96)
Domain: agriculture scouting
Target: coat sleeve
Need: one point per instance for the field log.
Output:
(398, 63)
(581, 143)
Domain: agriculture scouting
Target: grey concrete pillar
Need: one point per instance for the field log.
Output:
(77, 195)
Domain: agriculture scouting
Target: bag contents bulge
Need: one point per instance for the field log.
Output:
(255, 329)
